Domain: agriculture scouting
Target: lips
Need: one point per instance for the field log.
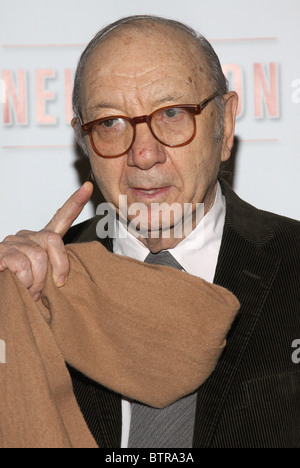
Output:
(150, 192)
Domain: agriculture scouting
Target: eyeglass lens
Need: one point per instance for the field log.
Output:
(172, 126)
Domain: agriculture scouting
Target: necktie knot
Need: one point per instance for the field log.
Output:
(163, 258)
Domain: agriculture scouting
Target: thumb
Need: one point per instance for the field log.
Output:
(66, 215)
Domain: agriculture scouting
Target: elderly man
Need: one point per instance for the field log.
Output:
(153, 113)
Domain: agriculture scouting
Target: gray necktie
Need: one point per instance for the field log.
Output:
(170, 427)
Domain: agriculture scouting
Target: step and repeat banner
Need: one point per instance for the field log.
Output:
(258, 43)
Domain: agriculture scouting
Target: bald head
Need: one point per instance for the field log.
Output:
(144, 57)
(175, 35)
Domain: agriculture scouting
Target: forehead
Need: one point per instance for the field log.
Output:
(155, 59)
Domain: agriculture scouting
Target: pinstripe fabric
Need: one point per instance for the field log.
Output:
(170, 427)
(101, 409)
(259, 261)
(252, 399)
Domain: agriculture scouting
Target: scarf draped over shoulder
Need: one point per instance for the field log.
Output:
(150, 333)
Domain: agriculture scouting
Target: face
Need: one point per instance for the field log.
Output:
(134, 73)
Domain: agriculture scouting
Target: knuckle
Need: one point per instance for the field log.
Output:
(3, 249)
(22, 263)
(9, 240)
(54, 238)
(39, 256)
(23, 233)
(11, 256)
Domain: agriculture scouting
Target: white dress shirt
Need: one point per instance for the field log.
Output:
(197, 254)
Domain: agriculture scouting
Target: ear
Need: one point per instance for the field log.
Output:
(231, 104)
(74, 123)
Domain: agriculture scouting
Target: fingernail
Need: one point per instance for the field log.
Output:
(36, 297)
(61, 281)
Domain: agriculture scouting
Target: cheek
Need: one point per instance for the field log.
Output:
(188, 161)
(206, 151)
(198, 167)
(108, 173)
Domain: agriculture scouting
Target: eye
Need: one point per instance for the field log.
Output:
(172, 112)
(109, 123)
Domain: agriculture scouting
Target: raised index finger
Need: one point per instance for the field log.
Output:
(66, 215)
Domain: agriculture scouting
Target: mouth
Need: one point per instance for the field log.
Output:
(153, 192)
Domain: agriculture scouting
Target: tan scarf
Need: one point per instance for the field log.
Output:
(151, 333)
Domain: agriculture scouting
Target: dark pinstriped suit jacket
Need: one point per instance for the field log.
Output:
(252, 399)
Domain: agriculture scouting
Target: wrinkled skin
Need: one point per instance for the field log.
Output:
(133, 73)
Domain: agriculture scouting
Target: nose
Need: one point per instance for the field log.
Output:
(146, 151)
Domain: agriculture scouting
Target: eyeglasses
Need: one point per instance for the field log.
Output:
(173, 126)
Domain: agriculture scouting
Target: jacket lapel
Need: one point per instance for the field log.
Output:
(247, 271)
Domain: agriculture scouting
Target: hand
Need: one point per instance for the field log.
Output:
(27, 253)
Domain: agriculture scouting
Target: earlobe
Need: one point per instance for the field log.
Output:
(231, 104)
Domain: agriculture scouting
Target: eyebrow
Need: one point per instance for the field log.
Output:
(167, 98)
(101, 105)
